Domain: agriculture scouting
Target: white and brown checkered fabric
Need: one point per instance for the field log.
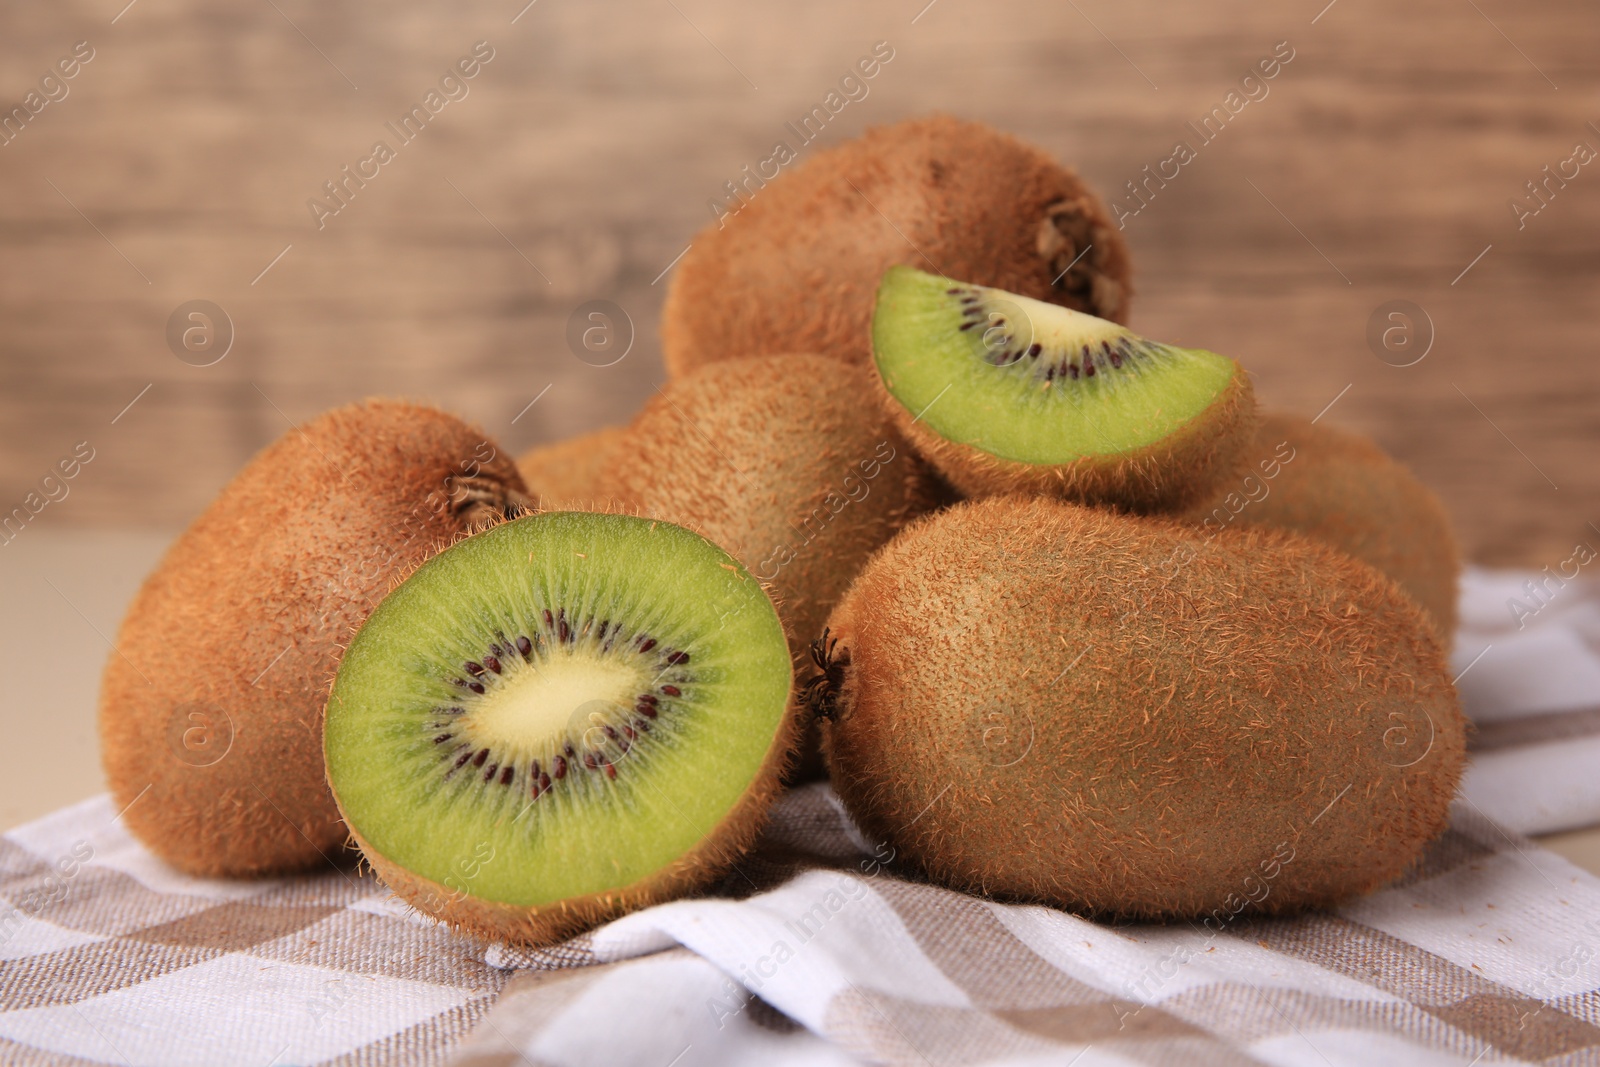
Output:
(1529, 648)
(814, 952)
(1488, 953)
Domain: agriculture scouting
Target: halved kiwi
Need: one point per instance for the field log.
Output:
(560, 719)
(1004, 393)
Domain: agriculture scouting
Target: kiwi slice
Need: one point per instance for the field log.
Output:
(1004, 393)
(559, 719)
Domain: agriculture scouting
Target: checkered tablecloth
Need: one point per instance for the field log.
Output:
(1528, 657)
(813, 952)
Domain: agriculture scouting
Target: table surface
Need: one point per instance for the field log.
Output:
(1381, 165)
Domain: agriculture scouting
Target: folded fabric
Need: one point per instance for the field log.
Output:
(1488, 952)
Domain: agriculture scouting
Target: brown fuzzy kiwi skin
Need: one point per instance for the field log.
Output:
(797, 268)
(716, 854)
(567, 473)
(1340, 488)
(289, 559)
(1228, 693)
(1187, 466)
(770, 458)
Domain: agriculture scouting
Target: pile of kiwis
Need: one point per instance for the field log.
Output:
(1061, 615)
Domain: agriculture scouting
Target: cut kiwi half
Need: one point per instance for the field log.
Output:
(560, 719)
(1003, 393)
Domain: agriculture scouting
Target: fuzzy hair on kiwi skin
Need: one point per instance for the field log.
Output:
(1340, 488)
(1168, 475)
(759, 455)
(796, 269)
(243, 622)
(567, 472)
(1177, 708)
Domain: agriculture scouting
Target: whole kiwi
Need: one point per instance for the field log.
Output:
(211, 708)
(789, 463)
(1340, 488)
(566, 472)
(1106, 713)
(797, 267)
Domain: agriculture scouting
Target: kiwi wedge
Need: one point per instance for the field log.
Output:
(560, 719)
(1111, 714)
(1004, 393)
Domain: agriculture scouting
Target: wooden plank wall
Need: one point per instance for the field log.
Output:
(1380, 164)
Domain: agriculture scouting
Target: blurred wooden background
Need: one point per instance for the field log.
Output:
(178, 166)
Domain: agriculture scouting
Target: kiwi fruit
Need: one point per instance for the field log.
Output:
(211, 706)
(566, 473)
(1340, 488)
(785, 461)
(795, 269)
(559, 719)
(1106, 713)
(789, 464)
(1006, 394)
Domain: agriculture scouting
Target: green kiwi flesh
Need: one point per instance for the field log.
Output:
(566, 706)
(1008, 387)
(1031, 381)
